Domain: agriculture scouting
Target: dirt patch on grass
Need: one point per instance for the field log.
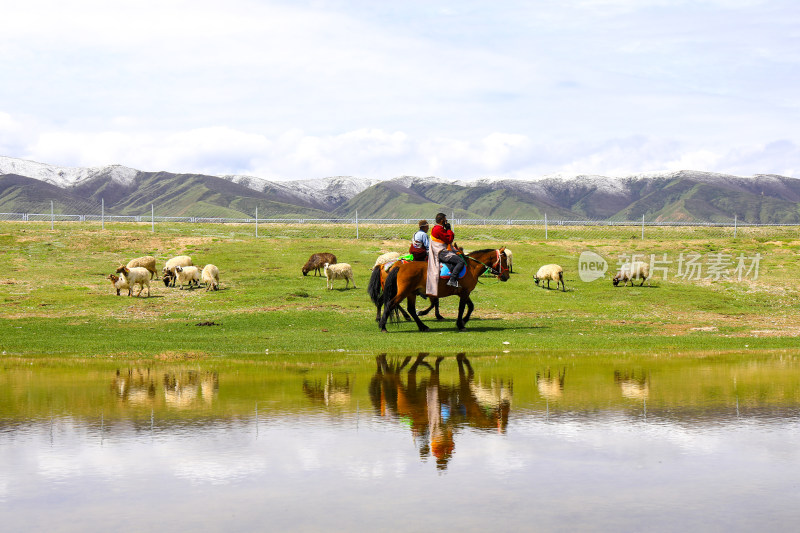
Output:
(181, 356)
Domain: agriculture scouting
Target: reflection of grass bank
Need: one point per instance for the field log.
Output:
(689, 388)
(54, 300)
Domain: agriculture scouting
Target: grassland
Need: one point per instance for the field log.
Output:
(56, 302)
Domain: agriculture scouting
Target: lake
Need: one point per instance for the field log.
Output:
(505, 442)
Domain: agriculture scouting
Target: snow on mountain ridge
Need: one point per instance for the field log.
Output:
(64, 176)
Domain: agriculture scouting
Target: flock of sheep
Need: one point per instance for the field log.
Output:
(333, 270)
(178, 270)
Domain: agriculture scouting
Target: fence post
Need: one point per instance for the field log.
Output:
(52, 216)
(356, 224)
(734, 226)
(153, 217)
(256, 222)
(102, 213)
(545, 226)
(642, 227)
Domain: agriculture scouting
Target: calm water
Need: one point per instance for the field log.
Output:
(500, 444)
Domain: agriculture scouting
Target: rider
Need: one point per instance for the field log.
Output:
(443, 233)
(420, 242)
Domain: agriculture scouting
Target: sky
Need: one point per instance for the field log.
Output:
(460, 89)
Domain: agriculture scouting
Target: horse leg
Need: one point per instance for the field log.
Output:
(462, 303)
(412, 310)
(406, 316)
(470, 307)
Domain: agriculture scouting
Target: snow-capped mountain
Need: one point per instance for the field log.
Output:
(682, 195)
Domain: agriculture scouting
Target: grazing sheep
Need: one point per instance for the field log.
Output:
(169, 268)
(509, 257)
(148, 262)
(550, 272)
(188, 274)
(210, 276)
(631, 271)
(135, 276)
(338, 271)
(117, 282)
(388, 257)
(317, 261)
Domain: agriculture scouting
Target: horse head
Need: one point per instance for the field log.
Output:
(494, 260)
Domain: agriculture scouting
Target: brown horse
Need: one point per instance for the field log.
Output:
(375, 290)
(407, 280)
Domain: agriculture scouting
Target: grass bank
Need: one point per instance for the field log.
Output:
(55, 300)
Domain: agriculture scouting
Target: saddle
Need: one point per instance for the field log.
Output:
(444, 272)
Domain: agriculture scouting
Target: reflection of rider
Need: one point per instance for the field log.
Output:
(443, 233)
(434, 411)
(420, 242)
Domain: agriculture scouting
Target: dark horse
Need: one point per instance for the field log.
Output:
(375, 291)
(407, 280)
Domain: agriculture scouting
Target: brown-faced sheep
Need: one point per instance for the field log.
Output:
(317, 261)
(117, 282)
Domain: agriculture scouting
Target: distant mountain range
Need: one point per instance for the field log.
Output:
(29, 187)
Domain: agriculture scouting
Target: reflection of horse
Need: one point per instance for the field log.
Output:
(407, 280)
(550, 387)
(136, 386)
(330, 392)
(633, 387)
(435, 411)
(182, 389)
(375, 291)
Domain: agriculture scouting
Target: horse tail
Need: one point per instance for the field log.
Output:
(374, 286)
(389, 292)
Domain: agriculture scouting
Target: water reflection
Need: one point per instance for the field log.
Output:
(332, 390)
(436, 411)
(310, 445)
(181, 389)
(551, 387)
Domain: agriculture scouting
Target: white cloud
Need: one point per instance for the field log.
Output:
(458, 89)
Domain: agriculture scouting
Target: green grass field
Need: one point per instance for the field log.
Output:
(56, 302)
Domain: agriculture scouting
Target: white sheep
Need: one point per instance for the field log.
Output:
(148, 262)
(388, 257)
(135, 276)
(210, 276)
(550, 272)
(119, 283)
(169, 268)
(188, 275)
(631, 271)
(338, 271)
(509, 257)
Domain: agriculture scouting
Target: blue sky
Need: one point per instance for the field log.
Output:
(462, 89)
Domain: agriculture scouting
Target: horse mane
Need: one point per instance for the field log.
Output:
(482, 251)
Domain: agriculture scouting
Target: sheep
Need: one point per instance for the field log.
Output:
(117, 282)
(210, 276)
(338, 271)
(148, 262)
(135, 276)
(187, 274)
(169, 268)
(317, 261)
(509, 256)
(388, 257)
(550, 272)
(631, 271)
